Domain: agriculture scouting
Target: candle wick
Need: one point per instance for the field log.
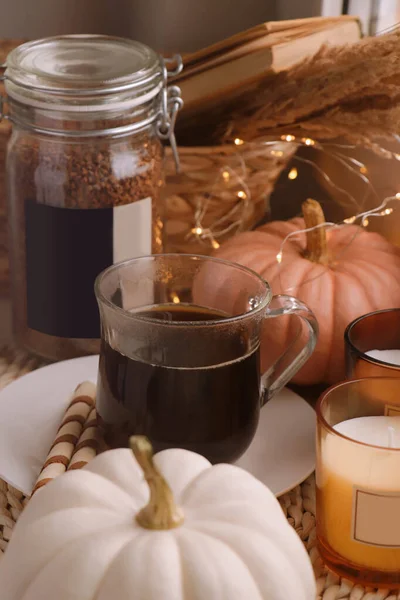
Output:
(391, 432)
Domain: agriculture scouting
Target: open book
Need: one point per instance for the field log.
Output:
(232, 64)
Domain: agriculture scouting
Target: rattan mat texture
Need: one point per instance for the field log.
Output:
(77, 442)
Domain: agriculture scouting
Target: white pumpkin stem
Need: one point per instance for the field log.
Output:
(161, 512)
(317, 247)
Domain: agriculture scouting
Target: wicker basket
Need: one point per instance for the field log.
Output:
(220, 191)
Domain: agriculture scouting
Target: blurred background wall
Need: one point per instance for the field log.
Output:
(170, 25)
(167, 25)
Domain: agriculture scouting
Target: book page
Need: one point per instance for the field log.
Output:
(257, 32)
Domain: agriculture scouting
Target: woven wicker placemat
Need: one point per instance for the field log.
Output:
(77, 443)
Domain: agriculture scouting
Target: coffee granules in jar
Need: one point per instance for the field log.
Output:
(84, 173)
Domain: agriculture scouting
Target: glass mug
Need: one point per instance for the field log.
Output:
(180, 353)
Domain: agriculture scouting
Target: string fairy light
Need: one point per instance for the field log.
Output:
(277, 153)
(198, 230)
(363, 219)
(232, 221)
(325, 176)
(175, 298)
(333, 150)
(219, 229)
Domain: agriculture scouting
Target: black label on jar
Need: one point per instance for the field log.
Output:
(65, 251)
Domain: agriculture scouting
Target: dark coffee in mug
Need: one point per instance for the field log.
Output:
(212, 409)
(180, 354)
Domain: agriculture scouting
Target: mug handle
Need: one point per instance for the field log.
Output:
(278, 375)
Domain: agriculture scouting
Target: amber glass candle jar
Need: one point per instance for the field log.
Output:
(358, 480)
(373, 345)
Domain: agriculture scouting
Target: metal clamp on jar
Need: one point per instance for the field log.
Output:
(84, 171)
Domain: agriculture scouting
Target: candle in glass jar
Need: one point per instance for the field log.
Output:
(388, 356)
(360, 491)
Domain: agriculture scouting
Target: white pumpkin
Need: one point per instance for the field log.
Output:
(84, 537)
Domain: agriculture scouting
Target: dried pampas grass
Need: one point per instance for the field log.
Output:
(350, 91)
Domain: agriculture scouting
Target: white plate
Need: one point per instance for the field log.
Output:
(281, 455)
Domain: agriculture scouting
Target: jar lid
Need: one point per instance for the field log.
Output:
(90, 74)
(83, 65)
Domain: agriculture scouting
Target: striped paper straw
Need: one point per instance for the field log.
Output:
(68, 435)
(89, 443)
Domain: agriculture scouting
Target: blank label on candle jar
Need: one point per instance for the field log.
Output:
(392, 410)
(376, 518)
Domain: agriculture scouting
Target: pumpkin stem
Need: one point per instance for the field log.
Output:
(161, 512)
(316, 248)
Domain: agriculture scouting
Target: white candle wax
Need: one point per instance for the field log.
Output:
(388, 356)
(377, 431)
(359, 490)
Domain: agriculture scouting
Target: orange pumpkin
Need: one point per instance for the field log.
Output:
(339, 273)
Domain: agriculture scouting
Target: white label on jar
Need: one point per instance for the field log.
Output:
(132, 236)
(376, 518)
(132, 230)
(392, 410)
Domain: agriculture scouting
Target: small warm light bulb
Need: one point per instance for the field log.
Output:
(175, 298)
(279, 257)
(349, 220)
(398, 196)
(226, 175)
(308, 141)
(292, 173)
(241, 194)
(238, 142)
(363, 170)
(215, 244)
(277, 153)
(397, 156)
(365, 222)
(197, 230)
(388, 211)
(288, 138)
